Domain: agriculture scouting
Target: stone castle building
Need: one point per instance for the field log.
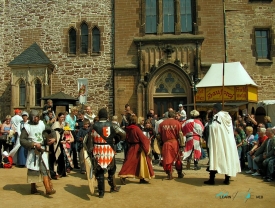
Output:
(143, 52)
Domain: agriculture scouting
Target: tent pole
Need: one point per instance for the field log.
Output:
(223, 85)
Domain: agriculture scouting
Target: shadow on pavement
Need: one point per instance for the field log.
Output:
(78, 191)
(25, 189)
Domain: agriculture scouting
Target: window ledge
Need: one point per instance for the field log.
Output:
(96, 54)
(71, 55)
(268, 61)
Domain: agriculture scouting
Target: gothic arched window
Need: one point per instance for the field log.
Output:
(96, 40)
(37, 92)
(84, 38)
(72, 41)
(22, 93)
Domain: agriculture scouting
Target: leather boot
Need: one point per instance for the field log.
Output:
(196, 165)
(111, 182)
(226, 180)
(188, 165)
(169, 175)
(48, 185)
(101, 185)
(33, 189)
(211, 180)
(180, 174)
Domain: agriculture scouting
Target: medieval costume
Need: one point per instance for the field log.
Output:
(56, 158)
(192, 129)
(169, 131)
(223, 155)
(102, 148)
(137, 163)
(35, 137)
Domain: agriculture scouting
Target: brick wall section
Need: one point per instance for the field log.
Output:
(210, 25)
(242, 16)
(47, 23)
(126, 27)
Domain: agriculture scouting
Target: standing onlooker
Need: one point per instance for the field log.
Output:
(71, 121)
(141, 123)
(49, 118)
(48, 107)
(89, 114)
(267, 122)
(81, 134)
(251, 121)
(22, 151)
(182, 113)
(67, 139)
(8, 130)
(238, 141)
(17, 118)
(246, 145)
(15, 121)
(169, 132)
(118, 145)
(57, 149)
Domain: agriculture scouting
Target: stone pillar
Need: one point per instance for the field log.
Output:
(13, 98)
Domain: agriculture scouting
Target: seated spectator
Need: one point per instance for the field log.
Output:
(265, 152)
(6, 161)
(252, 166)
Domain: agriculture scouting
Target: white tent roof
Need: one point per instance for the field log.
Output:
(234, 75)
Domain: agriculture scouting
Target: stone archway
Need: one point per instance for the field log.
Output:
(169, 86)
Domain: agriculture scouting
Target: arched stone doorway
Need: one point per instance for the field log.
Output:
(168, 87)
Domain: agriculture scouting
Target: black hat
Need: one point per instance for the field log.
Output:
(218, 106)
(102, 113)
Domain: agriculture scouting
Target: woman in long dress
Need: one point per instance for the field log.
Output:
(57, 149)
(137, 163)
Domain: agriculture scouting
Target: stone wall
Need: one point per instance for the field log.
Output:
(47, 23)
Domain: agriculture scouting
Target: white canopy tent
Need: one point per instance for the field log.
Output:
(234, 75)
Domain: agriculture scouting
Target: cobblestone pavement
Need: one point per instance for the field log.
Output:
(73, 191)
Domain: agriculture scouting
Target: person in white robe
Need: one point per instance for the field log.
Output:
(223, 155)
(35, 137)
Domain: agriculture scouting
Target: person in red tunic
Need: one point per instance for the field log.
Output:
(137, 163)
(169, 132)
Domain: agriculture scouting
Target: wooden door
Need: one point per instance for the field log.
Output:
(161, 105)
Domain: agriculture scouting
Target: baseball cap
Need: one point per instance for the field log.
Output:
(180, 105)
(24, 113)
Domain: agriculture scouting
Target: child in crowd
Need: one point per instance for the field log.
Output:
(81, 134)
(67, 140)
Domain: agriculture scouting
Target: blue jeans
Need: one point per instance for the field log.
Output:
(251, 163)
(239, 152)
(269, 166)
